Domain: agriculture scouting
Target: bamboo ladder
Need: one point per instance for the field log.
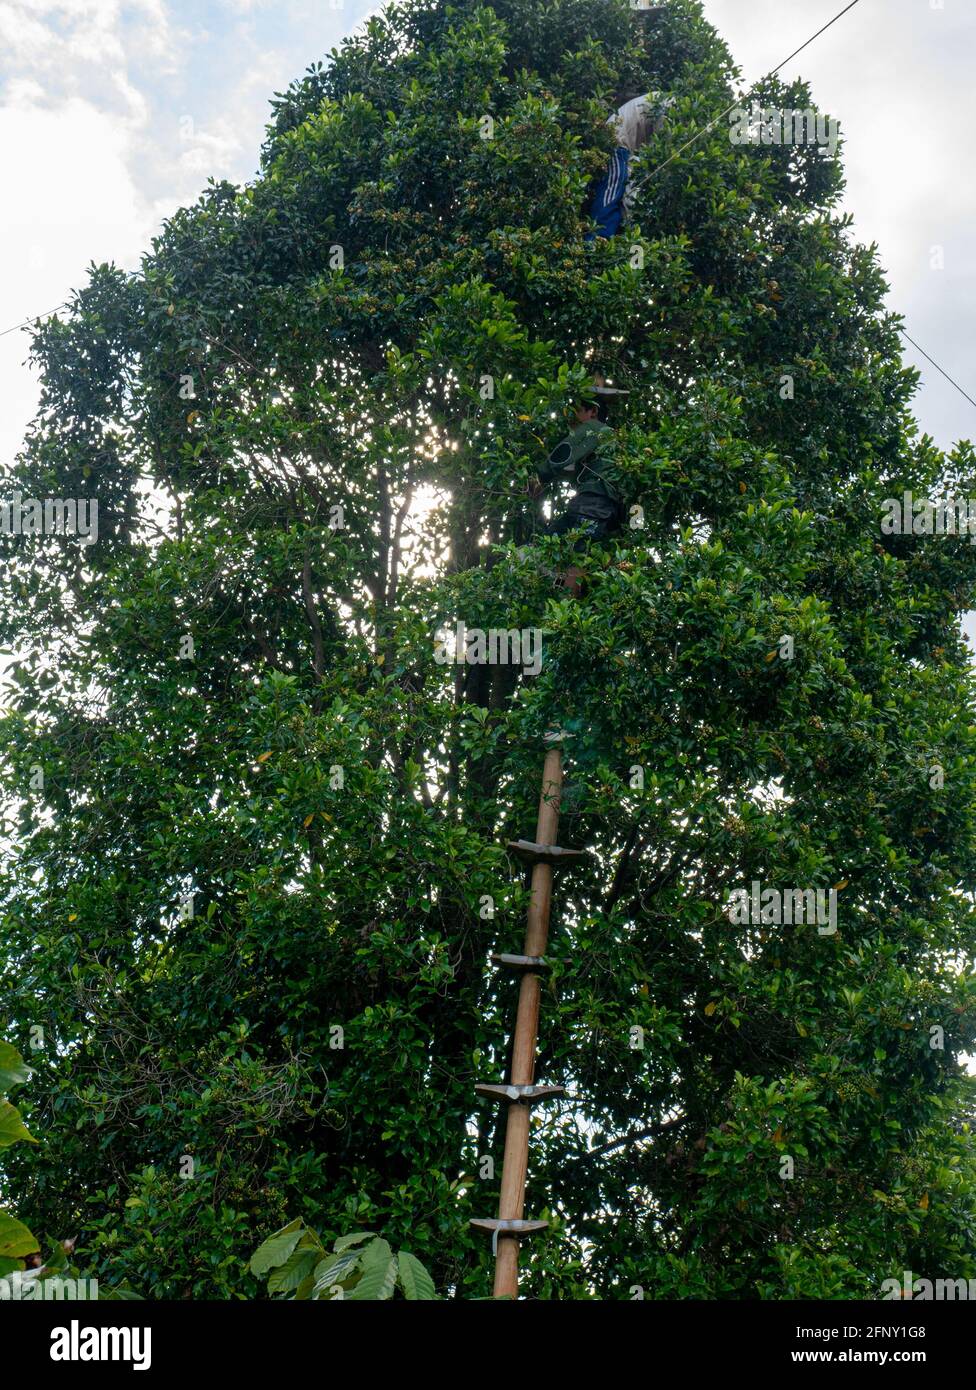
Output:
(521, 1094)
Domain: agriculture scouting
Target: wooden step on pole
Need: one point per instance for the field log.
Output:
(544, 854)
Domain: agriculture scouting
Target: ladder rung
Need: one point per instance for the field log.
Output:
(521, 962)
(526, 1095)
(532, 853)
(499, 1227)
(553, 738)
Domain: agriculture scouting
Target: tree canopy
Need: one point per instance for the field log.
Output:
(258, 827)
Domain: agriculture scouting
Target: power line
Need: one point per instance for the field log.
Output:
(133, 274)
(27, 322)
(704, 131)
(937, 367)
(722, 114)
(810, 40)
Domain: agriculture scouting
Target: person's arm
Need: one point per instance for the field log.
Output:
(558, 464)
(565, 459)
(559, 461)
(570, 452)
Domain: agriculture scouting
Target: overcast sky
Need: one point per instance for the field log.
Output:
(114, 112)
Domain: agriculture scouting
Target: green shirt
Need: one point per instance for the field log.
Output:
(586, 456)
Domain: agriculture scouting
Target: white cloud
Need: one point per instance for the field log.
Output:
(901, 85)
(75, 202)
(72, 114)
(65, 39)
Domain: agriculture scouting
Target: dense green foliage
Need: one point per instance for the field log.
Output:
(361, 1267)
(16, 1241)
(247, 905)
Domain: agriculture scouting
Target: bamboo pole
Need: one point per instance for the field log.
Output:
(511, 1203)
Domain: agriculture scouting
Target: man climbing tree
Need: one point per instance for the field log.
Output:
(586, 458)
(632, 124)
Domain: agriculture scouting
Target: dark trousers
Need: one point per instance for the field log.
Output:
(607, 208)
(594, 528)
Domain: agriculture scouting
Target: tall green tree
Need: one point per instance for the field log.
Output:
(259, 826)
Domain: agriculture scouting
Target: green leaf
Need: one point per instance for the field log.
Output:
(414, 1279)
(12, 1126)
(355, 1239)
(293, 1271)
(335, 1269)
(379, 1272)
(15, 1238)
(14, 1071)
(277, 1249)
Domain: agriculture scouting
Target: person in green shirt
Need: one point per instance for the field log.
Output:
(586, 457)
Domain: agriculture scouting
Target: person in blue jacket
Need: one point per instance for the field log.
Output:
(632, 124)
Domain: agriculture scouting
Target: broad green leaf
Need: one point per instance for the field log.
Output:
(355, 1239)
(12, 1127)
(335, 1269)
(276, 1249)
(293, 1271)
(379, 1271)
(15, 1238)
(14, 1071)
(414, 1279)
(57, 1260)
